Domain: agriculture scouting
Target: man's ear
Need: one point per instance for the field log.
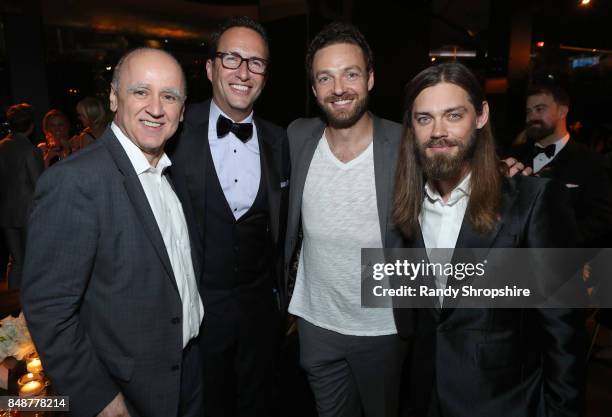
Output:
(370, 80)
(209, 69)
(483, 117)
(563, 110)
(113, 99)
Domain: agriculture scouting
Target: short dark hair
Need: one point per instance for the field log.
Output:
(237, 22)
(334, 33)
(552, 89)
(20, 117)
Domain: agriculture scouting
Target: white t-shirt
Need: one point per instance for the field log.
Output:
(339, 217)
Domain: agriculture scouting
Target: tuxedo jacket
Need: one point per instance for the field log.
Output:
(503, 362)
(188, 171)
(583, 172)
(304, 136)
(99, 293)
(21, 164)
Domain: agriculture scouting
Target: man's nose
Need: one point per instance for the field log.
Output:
(439, 129)
(243, 71)
(155, 107)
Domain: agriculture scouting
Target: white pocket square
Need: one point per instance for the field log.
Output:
(572, 185)
(284, 183)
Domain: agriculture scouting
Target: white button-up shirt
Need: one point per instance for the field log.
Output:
(170, 219)
(237, 163)
(441, 222)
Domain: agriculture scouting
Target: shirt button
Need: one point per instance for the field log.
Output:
(235, 209)
(235, 180)
(234, 150)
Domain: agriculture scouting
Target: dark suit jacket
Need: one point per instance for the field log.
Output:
(21, 164)
(189, 173)
(583, 172)
(304, 136)
(503, 362)
(99, 293)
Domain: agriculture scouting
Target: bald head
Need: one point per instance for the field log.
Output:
(128, 56)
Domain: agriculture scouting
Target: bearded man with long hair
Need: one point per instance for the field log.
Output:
(451, 192)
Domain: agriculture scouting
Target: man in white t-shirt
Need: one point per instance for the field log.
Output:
(343, 167)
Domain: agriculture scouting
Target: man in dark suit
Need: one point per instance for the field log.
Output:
(231, 171)
(20, 166)
(110, 290)
(480, 361)
(552, 153)
(343, 167)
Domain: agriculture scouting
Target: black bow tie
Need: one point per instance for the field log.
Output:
(549, 151)
(243, 131)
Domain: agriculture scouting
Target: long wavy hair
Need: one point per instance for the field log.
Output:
(487, 171)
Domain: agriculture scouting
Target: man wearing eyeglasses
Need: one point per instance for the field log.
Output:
(231, 170)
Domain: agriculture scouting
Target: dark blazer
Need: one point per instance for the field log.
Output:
(189, 173)
(21, 164)
(304, 136)
(503, 362)
(96, 274)
(583, 172)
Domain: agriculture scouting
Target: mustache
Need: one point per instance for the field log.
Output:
(346, 96)
(441, 142)
(534, 122)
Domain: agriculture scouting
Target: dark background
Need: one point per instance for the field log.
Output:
(55, 52)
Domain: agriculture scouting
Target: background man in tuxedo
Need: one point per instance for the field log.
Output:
(20, 166)
(554, 154)
(342, 183)
(231, 170)
(109, 287)
(466, 362)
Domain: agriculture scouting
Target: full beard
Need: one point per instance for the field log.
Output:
(441, 167)
(344, 119)
(538, 130)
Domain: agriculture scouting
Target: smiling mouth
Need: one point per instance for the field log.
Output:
(240, 88)
(149, 123)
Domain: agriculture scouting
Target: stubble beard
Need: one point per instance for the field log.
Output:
(344, 119)
(537, 130)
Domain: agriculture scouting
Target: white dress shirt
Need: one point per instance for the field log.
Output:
(441, 222)
(237, 163)
(541, 160)
(170, 219)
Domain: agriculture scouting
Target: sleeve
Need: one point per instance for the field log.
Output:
(596, 220)
(561, 330)
(34, 166)
(60, 257)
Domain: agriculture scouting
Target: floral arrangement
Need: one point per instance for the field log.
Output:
(15, 338)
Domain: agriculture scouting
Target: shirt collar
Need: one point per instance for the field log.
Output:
(215, 111)
(461, 191)
(559, 144)
(137, 158)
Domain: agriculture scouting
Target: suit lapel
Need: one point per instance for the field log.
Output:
(419, 243)
(299, 169)
(270, 170)
(470, 238)
(195, 171)
(139, 201)
(383, 175)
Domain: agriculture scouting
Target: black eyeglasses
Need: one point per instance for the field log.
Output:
(232, 60)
